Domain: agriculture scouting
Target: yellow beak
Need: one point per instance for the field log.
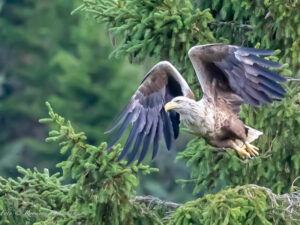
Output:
(170, 105)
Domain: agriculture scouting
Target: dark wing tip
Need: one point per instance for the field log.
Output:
(136, 148)
(119, 119)
(255, 51)
(147, 141)
(282, 79)
(158, 134)
(263, 62)
(122, 128)
(271, 84)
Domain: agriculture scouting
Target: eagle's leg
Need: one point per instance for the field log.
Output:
(229, 143)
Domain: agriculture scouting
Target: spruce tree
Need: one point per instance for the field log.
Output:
(167, 29)
(46, 54)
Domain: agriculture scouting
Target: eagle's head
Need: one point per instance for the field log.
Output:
(181, 104)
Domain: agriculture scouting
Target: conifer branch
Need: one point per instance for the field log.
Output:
(37, 207)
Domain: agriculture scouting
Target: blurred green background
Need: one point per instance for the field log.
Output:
(48, 55)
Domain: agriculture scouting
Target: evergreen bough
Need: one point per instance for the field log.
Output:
(102, 192)
(243, 205)
(166, 29)
(99, 194)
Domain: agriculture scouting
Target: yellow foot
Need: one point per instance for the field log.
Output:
(252, 149)
(242, 152)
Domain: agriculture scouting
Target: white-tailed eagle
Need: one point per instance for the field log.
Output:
(229, 76)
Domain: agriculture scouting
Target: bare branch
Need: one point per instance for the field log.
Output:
(151, 201)
(293, 79)
(233, 23)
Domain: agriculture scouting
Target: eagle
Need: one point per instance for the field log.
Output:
(229, 76)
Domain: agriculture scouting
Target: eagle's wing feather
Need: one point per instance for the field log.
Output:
(240, 75)
(146, 112)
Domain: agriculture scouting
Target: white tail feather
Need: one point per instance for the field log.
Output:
(252, 134)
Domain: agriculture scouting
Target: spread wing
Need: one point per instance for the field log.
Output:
(236, 75)
(146, 112)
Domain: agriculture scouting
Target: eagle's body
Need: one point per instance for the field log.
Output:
(200, 118)
(205, 119)
(229, 76)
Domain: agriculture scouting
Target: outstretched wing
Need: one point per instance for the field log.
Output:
(146, 112)
(236, 74)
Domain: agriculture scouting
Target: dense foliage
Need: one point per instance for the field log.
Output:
(274, 24)
(213, 170)
(48, 55)
(45, 52)
(102, 193)
(249, 204)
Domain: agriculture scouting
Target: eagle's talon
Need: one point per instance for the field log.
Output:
(252, 149)
(243, 153)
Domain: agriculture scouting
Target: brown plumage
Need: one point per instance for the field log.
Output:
(229, 76)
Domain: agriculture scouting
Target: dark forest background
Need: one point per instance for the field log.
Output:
(87, 64)
(48, 55)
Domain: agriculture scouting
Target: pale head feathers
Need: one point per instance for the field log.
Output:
(182, 105)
